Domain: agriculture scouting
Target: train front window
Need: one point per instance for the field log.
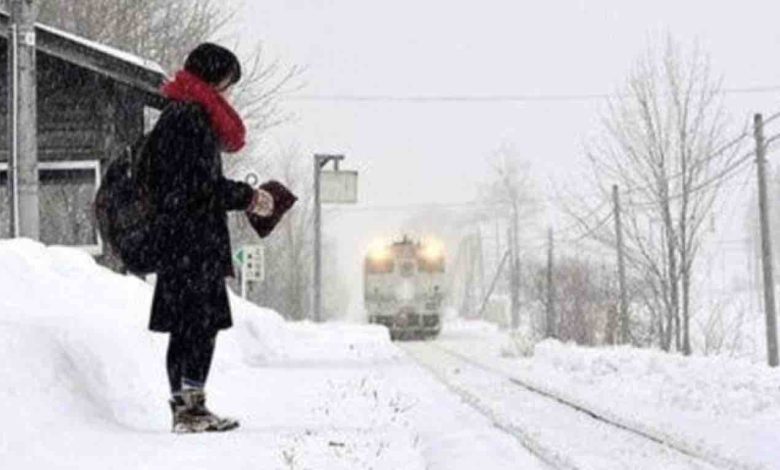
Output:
(407, 269)
(430, 265)
(380, 266)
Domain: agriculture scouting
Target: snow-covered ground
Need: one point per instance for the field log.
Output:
(564, 436)
(726, 408)
(83, 386)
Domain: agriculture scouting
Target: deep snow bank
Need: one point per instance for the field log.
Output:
(713, 385)
(75, 339)
(722, 406)
(725, 407)
(84, 384)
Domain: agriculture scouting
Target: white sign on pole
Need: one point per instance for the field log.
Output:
(338, 187)
(254, 263)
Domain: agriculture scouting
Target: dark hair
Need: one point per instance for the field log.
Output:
(213, 64)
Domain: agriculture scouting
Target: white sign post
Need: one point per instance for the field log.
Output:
(338, 187)
(333, 187)
(252, 261)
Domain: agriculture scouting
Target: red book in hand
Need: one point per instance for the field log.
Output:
(284, 199)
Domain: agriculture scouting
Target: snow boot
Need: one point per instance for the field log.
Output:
(191, 415)
(184, 421)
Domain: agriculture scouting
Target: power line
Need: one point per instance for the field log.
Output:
(737, 140)
(741, 188)
(712, 155)
(726, 173)
(474, 204)
(417, 206)
(771, 118)
(445, 98)
(452, 205)
(771, 140)
(580, 220)
(723, 175)
(590, 232)
(487, 98)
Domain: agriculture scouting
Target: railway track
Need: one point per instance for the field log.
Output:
(558, 430)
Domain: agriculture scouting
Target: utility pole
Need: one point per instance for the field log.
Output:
(513, 291)
(766, 244)
(23, 141)
(550, 310)
(621, 268)
(493, 283)
(466, 248)
(515, 266)
(498, 241)
(317, 307)
(481, 262)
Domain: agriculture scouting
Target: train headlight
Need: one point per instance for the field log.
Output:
(378, 251)
(432, 250)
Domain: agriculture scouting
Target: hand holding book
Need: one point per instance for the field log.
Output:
(271, 201)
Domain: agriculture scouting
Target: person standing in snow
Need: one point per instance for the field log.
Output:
(192, 198)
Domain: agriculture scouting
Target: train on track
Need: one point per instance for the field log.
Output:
(403, 287)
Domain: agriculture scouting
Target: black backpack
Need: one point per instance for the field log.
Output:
(125, 211)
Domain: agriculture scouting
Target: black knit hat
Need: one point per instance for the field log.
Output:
(213, 64)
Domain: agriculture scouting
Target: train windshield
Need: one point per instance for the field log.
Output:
(426, 265)
(380, 266)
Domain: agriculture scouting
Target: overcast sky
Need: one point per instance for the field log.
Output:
(411, 153)
(486, 48)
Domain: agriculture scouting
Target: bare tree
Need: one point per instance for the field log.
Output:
(165, 31)
(289, 254)
(503, 203)
(509, 194)
(723, 333)
(665, 145)
(161, 30)
(510, 188)
(584, 298)
(289, 249)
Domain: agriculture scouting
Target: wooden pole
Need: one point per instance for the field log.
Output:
(492, 287)
(317, 288)
(550, 330)
(624, 335)
(23, 161)
(513, 294)
(766, 244)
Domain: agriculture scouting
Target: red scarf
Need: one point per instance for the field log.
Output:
(224, 119)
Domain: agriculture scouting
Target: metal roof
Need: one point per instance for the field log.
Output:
(119, 65)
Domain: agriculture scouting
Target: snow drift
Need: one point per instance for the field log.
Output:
(79, 364)
(720, 406)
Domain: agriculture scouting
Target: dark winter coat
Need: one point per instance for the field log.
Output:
(192, 198)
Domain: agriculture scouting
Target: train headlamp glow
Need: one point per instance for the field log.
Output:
(378, 251)
(432, 250)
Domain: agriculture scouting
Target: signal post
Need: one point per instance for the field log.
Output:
(334, 186)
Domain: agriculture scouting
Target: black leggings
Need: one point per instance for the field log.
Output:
(189, 359)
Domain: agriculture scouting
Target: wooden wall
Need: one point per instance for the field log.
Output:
(82, 115)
